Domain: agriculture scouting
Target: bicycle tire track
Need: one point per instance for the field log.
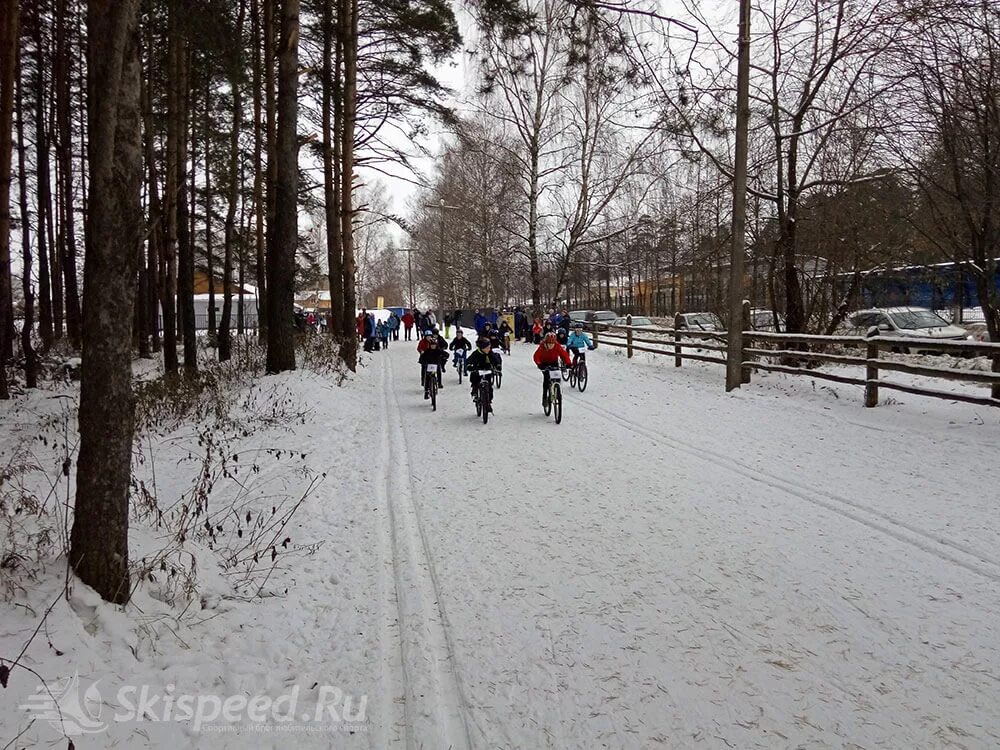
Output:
(434, 706)
(392, 676)
(959, 554)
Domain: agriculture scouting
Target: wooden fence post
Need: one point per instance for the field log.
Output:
(628, 335)
(871, 369)
(746, 327)
(677, 340)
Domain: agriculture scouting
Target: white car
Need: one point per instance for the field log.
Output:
(906, 322)
(638, 321)
(700, 321)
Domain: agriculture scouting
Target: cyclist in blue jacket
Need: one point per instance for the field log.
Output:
(577, 340)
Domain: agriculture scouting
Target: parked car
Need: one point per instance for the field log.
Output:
(763, 320)
(906, 322)
(602, 317)
(579, 316)
(638, 321)
(700, 321)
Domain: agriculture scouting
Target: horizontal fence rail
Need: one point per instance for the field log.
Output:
(800, 354)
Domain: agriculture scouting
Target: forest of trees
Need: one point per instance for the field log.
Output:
(147, 143)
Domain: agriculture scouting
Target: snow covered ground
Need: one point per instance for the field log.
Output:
(672, 566)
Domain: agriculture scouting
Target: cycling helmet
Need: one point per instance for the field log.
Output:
(578, 326)
(483, 342)
(428, 334)
(550, 337)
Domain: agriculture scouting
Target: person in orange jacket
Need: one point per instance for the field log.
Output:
(547, 355)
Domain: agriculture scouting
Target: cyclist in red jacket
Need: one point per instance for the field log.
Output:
(547, 355)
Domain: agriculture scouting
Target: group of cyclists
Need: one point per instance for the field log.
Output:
(482, 358)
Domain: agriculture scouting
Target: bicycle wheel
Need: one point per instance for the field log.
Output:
(487, 402)
(581, 378)
(557, 402)
(434, 394)
(572, 376)
(499, 377)
(547, 400)
(479, 401)
(564, 370)
(458, 366)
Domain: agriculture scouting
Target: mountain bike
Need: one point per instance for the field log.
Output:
(431, 385)
(578, 372)
(483, 397)
(460, 355)
(552, 400)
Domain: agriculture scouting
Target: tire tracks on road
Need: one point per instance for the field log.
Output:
(907, 533)
(434, 708)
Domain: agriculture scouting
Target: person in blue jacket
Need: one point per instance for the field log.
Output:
(577, 340)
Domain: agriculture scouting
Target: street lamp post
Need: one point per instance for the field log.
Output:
(441, 285)
(409, 270)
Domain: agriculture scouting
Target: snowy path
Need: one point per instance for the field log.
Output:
(672, 566)
(624, 580)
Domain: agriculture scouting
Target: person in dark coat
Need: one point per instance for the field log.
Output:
(433, 355)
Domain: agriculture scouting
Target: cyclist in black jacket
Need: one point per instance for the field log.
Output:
(459, 342)
(433, 355)
(484, 358)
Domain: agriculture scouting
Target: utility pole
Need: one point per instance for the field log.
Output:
(409, 269)
(734, 344)
(441, 285)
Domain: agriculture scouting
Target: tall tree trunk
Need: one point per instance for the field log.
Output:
(185, 239)
(209, 261)
(154, 249)
(348, 27)
(64, 153)
(99, 541)
(9, 17)
(332, 111)
(168, 299)
(536, 292)
(258, 175)
(271, 158)
(244, 233)
(281, 252)
(225, 340)
(46, 323)
(27, 343)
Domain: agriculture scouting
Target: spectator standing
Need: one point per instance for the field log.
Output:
(408, 321)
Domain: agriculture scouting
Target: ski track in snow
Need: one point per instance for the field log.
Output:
(960, 554)
(434, 707)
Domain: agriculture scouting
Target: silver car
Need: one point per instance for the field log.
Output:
(906, 322)
(638, 321)
(700, 321)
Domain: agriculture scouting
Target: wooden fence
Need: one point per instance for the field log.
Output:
(792, 353)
